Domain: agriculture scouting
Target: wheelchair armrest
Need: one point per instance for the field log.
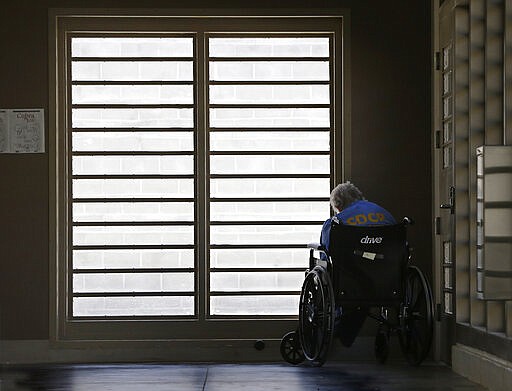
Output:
(326, 260)
(317, 246)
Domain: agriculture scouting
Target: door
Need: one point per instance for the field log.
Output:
(445, 197)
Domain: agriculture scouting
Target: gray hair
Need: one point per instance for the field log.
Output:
(345, 194)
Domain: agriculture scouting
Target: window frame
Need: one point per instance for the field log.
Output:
(62, 25)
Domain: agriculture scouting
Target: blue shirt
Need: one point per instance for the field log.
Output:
(364, 213)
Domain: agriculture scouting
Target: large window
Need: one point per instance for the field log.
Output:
(193, 167)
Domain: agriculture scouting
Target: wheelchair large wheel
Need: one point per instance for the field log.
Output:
(417, 323)
(316, 316)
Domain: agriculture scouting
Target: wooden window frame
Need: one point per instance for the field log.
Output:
(65, 22)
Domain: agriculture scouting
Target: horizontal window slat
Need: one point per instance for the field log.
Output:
(132, 106)
(141, 200)
(268, 59)
(130, 223)
(270, 129)
(133, 129)
(133, 294)
(138, 82)
(135, 153)
(266, 153)
(236, 176)
(291, 222)
(133, 270)
(263, 34)
(290, 200)
(265, 106)
(254, 293)
(263, 82)
(142, 317)
(133, 176)
(131, 59)
(133, 247)
(258, 317)
(256, 270)
(249, 246)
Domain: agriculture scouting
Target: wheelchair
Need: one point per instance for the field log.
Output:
(370, 268)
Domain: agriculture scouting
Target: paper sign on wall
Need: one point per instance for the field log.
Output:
(22, 130)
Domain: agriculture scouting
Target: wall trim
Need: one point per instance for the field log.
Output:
(481, 367)
(496, 344)
(26, 352)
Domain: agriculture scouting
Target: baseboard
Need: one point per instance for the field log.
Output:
(483, 368)
(20, 352)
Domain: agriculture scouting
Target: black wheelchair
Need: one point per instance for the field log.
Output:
(365, 269)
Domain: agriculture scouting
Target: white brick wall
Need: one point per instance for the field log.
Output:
(132, 71)
(269, 211)
(269, 71)
(149, 235)
(133, 141)
(250, 305)
(300, 118)
(255, 281)
(133, 211)
(115, 259)
(128, 118)
(270, 94)
(259, 258)
(264, 234)
(133, 94)
(131, 47)
(276, 164)
(127, 306)
(133, 282)
(90, 165)
(283, 187)
(280, 118)
(269, 141)
(138, 188)
(269, 47)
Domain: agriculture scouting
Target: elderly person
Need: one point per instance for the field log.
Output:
(351, 208)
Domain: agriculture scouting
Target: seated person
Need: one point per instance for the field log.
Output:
(351, 208)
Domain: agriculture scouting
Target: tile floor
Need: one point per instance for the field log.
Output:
(339, 376)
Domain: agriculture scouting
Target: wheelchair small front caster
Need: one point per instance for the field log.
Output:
(291, 351)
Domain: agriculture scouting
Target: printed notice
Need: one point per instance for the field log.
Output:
(26, 131)
(4, 140)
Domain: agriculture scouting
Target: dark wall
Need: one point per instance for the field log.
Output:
(391, 160)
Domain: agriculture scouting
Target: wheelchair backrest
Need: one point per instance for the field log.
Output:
(368, 263)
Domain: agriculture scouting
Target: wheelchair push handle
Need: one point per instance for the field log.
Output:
(407, 221)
